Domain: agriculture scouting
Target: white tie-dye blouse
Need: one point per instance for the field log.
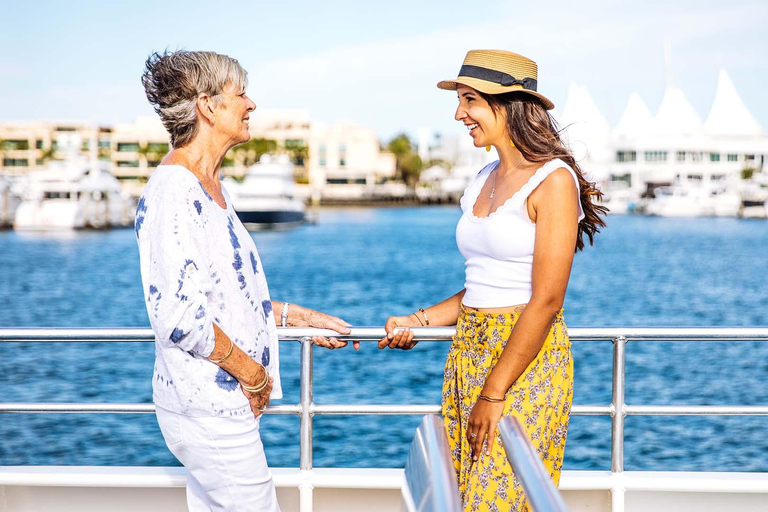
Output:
(199, 266)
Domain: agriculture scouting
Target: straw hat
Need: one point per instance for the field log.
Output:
(498, 72)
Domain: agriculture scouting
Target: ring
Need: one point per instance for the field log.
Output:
(472, 435)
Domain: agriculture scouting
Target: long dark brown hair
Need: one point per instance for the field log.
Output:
(536, 135)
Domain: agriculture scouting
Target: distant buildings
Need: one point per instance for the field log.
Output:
(326, 157)
(645, 151)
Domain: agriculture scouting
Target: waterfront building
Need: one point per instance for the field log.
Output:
(338, 158)
(676, 147)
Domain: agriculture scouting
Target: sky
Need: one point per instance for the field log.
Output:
(377, 63)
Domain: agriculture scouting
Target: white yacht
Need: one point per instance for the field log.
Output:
(72, 194)
(9, 201)
(266, 198)
(695, 201)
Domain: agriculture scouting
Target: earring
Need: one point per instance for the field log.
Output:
(511, 143)
(488, 148)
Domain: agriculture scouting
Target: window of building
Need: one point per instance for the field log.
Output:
(39, 161)
(38, 144)
(626, 156)
(749, 158)
(733, 157)
(718, 177)
(337, 181)
(342, 155)
(655, 156)
(15, 145)
(15, 162)
(127, 146)
(696, 178)
(86, 145)
(128, 163)
(65, 129)
(105, 143)
(321, 155)
(681, 156)
(714, 157)
(696, 156)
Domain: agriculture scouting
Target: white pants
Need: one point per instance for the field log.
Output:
(226, 466)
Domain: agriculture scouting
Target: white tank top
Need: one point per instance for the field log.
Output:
(498, 249)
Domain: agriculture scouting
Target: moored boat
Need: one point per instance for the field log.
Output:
(265, 199)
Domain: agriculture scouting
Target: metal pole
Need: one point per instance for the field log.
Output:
(306, 498)
(618, 413)
(305, 402)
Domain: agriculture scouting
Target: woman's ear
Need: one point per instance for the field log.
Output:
(205, 106)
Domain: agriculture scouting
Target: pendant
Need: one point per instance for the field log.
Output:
(492, 191)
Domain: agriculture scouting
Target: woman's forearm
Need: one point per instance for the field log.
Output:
(522, 347)
(238, 364)
(443, 313)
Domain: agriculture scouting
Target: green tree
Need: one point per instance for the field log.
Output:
(408, 164)
(47, 154)
(298, 151)
(747, 173)
(250, 152)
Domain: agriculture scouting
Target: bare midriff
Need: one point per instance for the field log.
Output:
(506, 309)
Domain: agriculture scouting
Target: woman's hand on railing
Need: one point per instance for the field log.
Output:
(324, 321)
(400, 338)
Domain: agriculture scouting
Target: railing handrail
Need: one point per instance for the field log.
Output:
(144, 334)
(306, 408)
(430, 479)
(540, 491)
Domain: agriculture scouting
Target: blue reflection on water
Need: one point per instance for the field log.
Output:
(362, 265)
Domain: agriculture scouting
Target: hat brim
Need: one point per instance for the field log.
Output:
(492, 88)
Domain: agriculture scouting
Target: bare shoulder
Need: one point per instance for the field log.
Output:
(559, 181)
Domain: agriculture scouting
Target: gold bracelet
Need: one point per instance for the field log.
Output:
(489, 399)
(231, 348)
(419, 319)
(258, 388)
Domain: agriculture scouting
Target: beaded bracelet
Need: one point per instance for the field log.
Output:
(229, 353)
(426, 320)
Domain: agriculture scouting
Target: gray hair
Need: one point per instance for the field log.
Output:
(174, 80)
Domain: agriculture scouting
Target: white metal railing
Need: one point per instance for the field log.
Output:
(430, 479)
(306, 409)
(540, 491)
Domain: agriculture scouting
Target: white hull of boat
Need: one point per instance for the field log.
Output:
(49, 214)
(118, 489)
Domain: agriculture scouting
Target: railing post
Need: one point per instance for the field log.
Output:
(305, 426)
(618, 413)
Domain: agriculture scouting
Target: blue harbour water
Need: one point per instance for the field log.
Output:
(363, 265)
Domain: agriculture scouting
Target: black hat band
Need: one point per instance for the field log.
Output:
(497, 77)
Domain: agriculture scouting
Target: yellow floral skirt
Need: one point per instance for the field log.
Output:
(541, 398)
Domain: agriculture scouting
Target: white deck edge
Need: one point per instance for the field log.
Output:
(376, 478)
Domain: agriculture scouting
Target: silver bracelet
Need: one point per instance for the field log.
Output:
(284, 314)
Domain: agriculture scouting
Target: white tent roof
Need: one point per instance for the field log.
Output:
(676, 116)
(729, 115)
(587, 130)
(636, 119)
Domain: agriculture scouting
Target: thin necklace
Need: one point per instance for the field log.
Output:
(496, 173)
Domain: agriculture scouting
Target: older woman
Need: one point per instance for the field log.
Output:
(207, 297)
(523, 218)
